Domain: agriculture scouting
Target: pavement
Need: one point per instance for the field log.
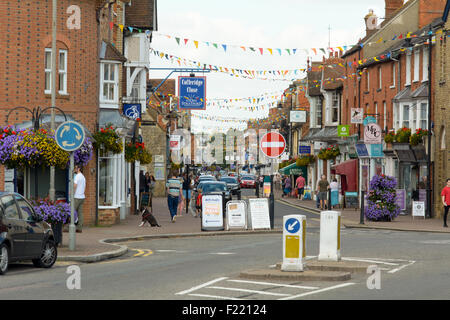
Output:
(101, 243)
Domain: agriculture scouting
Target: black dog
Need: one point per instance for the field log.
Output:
(147, 216)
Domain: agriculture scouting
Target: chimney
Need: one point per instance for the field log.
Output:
(371, 21)
(391, 6)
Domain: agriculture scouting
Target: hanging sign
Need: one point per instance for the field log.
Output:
(343, 130)
(357, 115)
(372, 134)
(132, 110)
(192, 93)
(298, 116)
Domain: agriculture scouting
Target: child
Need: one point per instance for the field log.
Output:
(198, 203)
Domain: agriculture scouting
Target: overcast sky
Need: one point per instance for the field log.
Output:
(301, 24)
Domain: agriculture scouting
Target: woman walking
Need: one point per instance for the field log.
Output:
(334, 186)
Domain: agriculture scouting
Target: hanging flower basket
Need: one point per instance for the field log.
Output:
(107, 140)
(417, 137)
(403, 135)
(329, 153)
(137, 152)
(52, 212)
(30, 148)
(305, 160)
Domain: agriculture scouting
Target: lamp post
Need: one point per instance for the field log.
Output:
(51, 190)
(430, 39)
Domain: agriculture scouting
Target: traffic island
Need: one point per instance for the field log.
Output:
(307, 275)
(342, 266)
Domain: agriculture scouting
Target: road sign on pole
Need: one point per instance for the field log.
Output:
(70, 137)
(272, 144)
(294, 243)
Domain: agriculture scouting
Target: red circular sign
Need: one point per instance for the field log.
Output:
(272, 144)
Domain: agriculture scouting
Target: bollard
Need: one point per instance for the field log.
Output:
(330, 236)
(294, 243)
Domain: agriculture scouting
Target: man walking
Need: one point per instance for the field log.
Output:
(300, 185)
(445, 194)
(174, 192)
(322, 190)
(78, 196)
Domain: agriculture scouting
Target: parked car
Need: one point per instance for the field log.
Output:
(214, 187)
(232, 185)
(248, 182)
(23, 234)
(206, 178)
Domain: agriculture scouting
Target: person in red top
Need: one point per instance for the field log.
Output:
(198, 204)
(446, 201)
(300, 185)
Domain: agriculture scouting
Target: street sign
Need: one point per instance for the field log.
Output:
(272, 144)
(132, 110)
(292, 225)
(70, 136)
(175, 142)
(192, 93)
(298, 116)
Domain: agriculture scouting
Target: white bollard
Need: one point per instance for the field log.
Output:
(294, 243)
(330, 236)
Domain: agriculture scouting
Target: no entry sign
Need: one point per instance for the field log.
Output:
(272, 144)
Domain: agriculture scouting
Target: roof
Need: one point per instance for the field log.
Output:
(109, 52)
(421, 92)
(314, 78)
(333, 71)
(405, 94)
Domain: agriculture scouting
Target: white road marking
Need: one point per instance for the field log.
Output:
(201, 286)
(250, 291)
(400, 268)
(318, 291)
(371, 261)
(275, 284)
(222, 253)
(215, 297)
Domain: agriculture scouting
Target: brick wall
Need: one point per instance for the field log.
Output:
(108, 217)
(26, 32)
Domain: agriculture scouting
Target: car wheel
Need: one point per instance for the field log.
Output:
(48, 255)
(4, 258)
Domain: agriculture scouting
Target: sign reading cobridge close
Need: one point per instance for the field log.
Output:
(192, 93)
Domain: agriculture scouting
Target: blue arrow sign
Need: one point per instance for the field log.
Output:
(69, 136)
(292, 225)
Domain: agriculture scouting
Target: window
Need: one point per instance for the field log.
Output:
(367, 81)
(425, 58)
(62, 71)
(405, 116)
(414, 117)
(384, 115)
(408, 69)
(25, 208)
(335, 103)
(423, 112)
(379, 78)
(376, 109)
(416, 65)
(396, 116)
(48, 70)
(109, 83)
(393, 75)
(10, 207)
(106, 182)
(319, 113)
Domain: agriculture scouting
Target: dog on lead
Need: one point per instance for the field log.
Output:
(147, 216)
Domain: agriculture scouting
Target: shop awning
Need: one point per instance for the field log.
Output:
(294, 170)
(349, 169)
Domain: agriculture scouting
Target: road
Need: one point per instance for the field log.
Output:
(414, 266)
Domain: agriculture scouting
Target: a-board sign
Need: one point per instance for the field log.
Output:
(145, 200)
(236, 214)
(418, 209)
(212, 212)
(259, 213)
(351, 200)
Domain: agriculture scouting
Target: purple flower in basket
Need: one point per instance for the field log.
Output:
(84, 154)
(381, 205)
(53, 212)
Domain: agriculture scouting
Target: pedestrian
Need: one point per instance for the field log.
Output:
(445, 194)
(322, 191)
(300, 185)
(186, 189)
(334, 186)
(287, 186)
(79, 187)
(174, 193)
(198, 204)
(147, 182)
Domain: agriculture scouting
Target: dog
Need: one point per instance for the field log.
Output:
(147, 216)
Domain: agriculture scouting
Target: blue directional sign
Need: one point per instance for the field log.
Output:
(292, 225)
(69, 136)
(192, 93)
(304, 149)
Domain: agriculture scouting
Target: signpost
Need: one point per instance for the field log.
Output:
(70, 137)
(272, 144)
